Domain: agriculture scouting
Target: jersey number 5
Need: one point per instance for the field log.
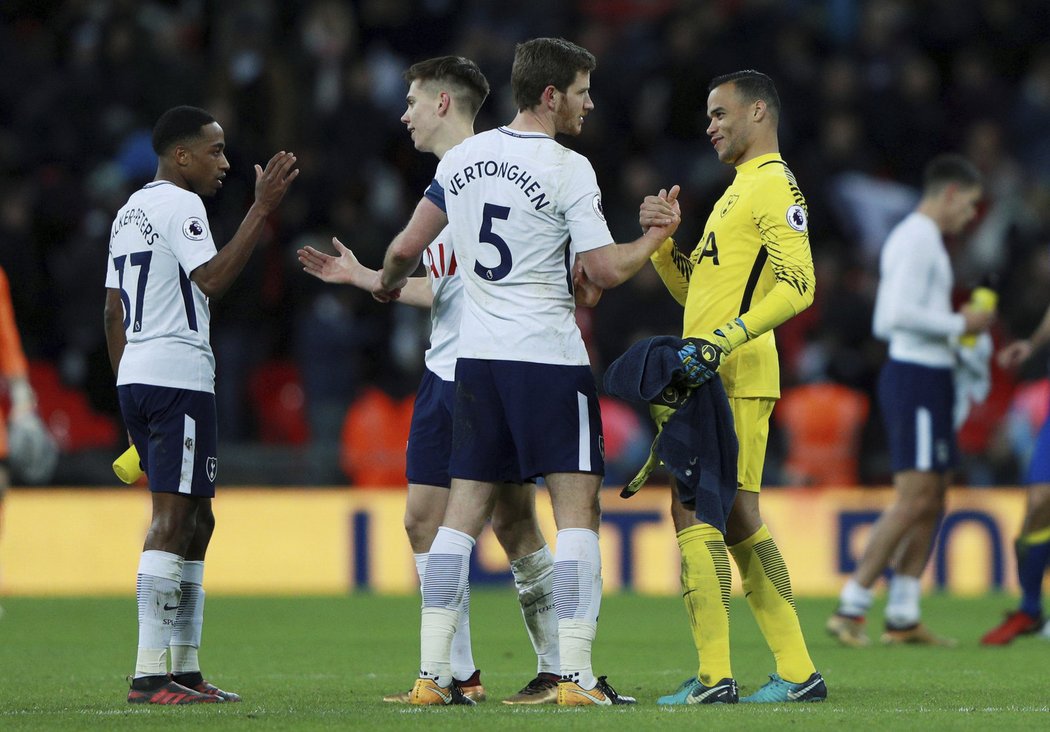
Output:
(488, 236)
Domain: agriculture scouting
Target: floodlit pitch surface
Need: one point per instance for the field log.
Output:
(325, 663)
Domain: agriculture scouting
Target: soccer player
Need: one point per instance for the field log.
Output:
(913, 311)
(15, 372)
(526, 402)
(444, 96)
(163, 268)
(751, 271)
(1032, 547)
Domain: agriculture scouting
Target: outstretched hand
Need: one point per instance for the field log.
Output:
(661, 213)
(272, 182)
(342, 269)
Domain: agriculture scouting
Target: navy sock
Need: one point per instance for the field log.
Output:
(1031, 565)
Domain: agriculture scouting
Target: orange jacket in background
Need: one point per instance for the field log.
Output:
(12, 358)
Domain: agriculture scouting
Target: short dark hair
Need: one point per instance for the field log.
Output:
(543, 62)
(178, 124)
(949, 168)
(751, 85)
(456, 71)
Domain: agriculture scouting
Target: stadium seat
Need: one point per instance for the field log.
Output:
(277, 397)
(822, 423)
(68, 414)
(375, 433)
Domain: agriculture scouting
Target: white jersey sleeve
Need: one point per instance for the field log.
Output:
(158, 238)
(439, 260)
(514, 203)
(583, 206)
(913, 309)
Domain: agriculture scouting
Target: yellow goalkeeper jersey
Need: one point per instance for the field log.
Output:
(753, 262)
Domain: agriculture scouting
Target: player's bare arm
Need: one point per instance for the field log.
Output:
(216, 275)
(612, 265)
(346, 269)
(406, 250)
(116, 338)
(1018, 352)
(586, 293)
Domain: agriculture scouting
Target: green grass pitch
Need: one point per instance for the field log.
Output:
(324, 663)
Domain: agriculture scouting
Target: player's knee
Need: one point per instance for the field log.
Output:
(517, 535)
(205, 520)
(172, 532)
(421, 530)
(926, 507)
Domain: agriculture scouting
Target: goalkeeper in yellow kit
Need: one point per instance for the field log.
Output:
(751, 271)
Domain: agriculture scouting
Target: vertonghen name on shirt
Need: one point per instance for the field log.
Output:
(529, 186)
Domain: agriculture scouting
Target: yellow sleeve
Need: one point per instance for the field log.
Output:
(674, 269)
(781, 216)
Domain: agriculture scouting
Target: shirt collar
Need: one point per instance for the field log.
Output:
(756, 163)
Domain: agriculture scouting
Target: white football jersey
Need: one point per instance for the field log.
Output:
(514, 201)
(446, 310)
(158, 238)
(913, 303)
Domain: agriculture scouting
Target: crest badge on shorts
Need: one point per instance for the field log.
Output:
(212, 466)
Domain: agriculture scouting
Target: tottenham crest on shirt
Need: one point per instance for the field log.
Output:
(729, 204)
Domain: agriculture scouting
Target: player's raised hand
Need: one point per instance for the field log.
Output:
(342, 269)
(661, 212)
(271, 182)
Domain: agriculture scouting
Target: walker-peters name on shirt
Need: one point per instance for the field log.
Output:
(137, 218)
(531, 187)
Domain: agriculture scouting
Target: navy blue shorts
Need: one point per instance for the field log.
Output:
(1039, 467)
(917, 404)
(430, 436)
(178, 430)
(515, 421)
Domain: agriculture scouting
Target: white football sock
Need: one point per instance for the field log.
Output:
(534, 580)
(855, 600)
(460, 655)
(158, 595)
(189, 621)
(577, 600)
(421, 568)
(902, 602)
(444, 586)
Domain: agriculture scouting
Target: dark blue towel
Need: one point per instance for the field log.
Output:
(698, 443)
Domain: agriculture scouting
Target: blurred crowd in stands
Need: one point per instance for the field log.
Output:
(871, 89)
